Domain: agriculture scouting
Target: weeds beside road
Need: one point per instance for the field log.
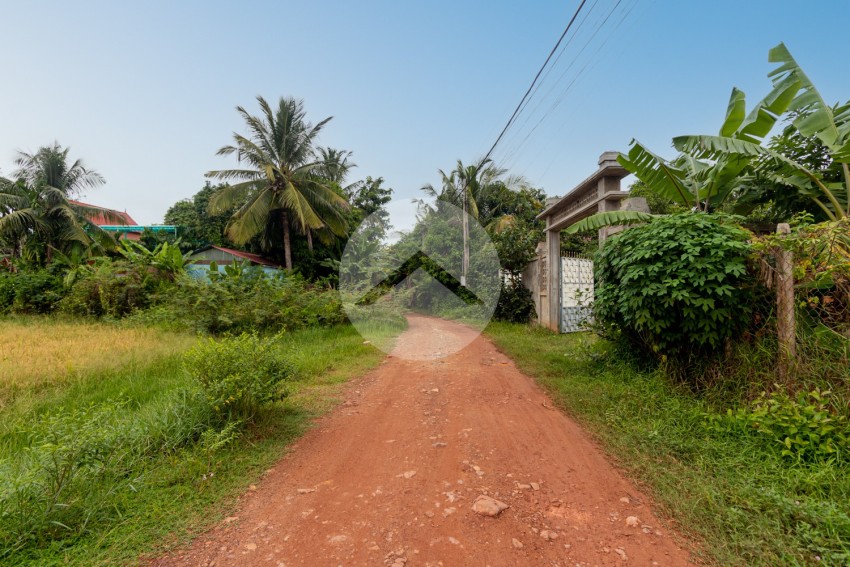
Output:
(738, 497)
(119, 462)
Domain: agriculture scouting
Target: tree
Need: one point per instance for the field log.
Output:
(49, 167)
(368, 199)
(813, 117)
(468, 187)
(282, 184)
(37, 216)
(700, 179)
(197, 227)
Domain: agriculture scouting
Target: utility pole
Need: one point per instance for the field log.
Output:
(465, 266)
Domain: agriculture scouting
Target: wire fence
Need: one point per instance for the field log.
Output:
(808, 270)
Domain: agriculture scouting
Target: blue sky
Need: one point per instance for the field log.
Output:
(145, 92)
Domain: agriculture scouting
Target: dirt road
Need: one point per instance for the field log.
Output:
(390, 477)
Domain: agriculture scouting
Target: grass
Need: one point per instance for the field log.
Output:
(42, 353)
(738, 500)
(172, 495)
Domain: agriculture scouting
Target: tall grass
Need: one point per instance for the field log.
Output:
(122, 461)
(734, 494)
(38, 353)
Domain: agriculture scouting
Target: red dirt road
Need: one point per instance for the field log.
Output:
(390, 476)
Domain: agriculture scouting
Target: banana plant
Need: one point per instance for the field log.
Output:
(692, 179)
(814, 118)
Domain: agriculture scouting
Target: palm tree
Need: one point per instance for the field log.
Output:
(467, 187)
(36, 214)
(283, 177)
(49, 167)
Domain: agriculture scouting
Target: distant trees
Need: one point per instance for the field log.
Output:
(285, 182)
(198, 227)
(506, 206)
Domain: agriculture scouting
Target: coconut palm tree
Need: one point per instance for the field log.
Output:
(37, 216)
(469, 188)
(49, 167)
(282, 177)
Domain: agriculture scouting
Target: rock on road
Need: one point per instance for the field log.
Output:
(391, 477)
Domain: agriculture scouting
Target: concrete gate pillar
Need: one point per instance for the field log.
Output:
(553, 277)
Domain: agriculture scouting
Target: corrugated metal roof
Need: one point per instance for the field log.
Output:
(244, 255)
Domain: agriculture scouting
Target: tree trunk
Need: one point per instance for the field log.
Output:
(309, 240)
(287, 249)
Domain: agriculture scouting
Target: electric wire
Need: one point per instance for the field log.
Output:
(533, 82)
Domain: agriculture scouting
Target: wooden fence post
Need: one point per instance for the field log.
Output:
(785, 308)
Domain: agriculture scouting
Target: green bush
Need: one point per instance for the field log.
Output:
(29, 291)
(802, 429)
(110, 288)
(245, 301)
(675, 288)
(515, 304)
(238, 374)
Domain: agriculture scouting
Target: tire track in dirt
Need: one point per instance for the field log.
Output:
(390, 476)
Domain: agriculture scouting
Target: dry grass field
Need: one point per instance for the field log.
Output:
(35, 352)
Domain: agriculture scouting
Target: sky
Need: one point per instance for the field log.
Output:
(145, 92)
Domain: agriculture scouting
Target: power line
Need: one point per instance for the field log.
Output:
(552, 66)
(531, 87)
(591, 60)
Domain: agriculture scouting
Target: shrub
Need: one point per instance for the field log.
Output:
(29, 291)
(676, 287)
(238, 374)
(246, 301)
(515, 304)
(802, 429)
(109, 288)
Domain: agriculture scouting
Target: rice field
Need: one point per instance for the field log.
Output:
(39, 353)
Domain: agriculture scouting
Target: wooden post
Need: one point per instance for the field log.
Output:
(785, 308)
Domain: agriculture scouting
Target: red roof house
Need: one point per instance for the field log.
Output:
(110, 217)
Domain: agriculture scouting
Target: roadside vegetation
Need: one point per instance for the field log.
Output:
(136, 455)
(727, 486)
(743, 440)
(138, 400)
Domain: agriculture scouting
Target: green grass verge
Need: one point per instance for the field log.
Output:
(176, 495)
(740, 501)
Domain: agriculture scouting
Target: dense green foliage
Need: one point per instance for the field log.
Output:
(515, 303)
(243, 301)
(238, 375)
(801, 429)
(196, 226)
(506, 206)
(676, 287)
(33, 291)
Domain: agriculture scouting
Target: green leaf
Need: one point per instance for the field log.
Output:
(609, 218)
(662, 177)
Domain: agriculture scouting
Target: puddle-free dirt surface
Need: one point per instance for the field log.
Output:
(391, 475)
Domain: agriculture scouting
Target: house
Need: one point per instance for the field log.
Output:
(201, 259)
(111, 220)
